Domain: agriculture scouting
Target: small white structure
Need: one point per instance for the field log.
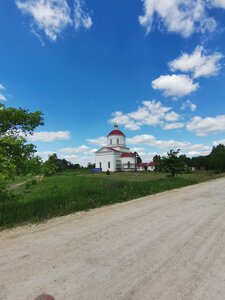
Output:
(115, 156)
(149, 166)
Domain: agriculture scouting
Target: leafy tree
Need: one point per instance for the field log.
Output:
(158, 163)
(15, 124)
(200, 162)
(34, 165)
(50, 166)
(172, 163)
(217, 158)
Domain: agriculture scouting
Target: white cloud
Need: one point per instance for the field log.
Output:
(44, 154)
(172, 116)
(48, 136)
(205, 126)
(180, 16)
(152, 141)
(215, 143)
(48, 15)
(81, 17)
(186, 147)
(100, 141)
(151, 113)
(126, 120)
(2, 87)
(188, 104)
(175, 85)
(173, 126)
(81, 149)
(199, 63)
(74, 150)
(2, 97)
(218, 3)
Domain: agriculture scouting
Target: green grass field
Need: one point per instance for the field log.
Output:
(75, 191)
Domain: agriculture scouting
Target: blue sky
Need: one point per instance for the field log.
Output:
(155, 67)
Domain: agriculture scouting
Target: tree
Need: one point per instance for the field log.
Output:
(172, 163)
(50, 166)
(158, 163)
(217, 158)
(15, 124)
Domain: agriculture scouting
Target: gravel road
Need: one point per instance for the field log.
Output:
(167, 246)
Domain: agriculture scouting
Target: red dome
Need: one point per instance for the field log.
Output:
(116, 132)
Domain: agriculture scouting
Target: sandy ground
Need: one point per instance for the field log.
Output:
(166, 246)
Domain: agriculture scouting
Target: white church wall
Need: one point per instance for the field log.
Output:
(105, 161)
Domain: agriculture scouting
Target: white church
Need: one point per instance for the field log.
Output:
(115, 156)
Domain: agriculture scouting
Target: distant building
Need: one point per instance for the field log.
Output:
(115, 156)
(150, 166)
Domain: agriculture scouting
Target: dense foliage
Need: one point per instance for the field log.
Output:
(15, 152)
(175, 163)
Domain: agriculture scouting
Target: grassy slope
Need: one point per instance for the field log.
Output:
(70, 192)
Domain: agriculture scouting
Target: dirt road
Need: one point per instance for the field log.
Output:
(166, 246)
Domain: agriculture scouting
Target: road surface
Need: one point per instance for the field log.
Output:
(167, 246)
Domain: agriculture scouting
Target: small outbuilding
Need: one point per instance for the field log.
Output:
(146, 166)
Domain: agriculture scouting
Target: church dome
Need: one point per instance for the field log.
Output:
(116, 132)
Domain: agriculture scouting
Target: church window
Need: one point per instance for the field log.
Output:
(128, 165)
(100, 165)
(110, 141)
(117, 141)
(109, 165)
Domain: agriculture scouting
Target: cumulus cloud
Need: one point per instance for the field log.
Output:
(81, 17)
(205, 126)
(172, 116)
(151, 113)
(199, 63)
(48, 136)
(188, 105)
(53, 16)
(186, 147)
(81, 149)
(100, 141)
(180, 16)
(175, 85)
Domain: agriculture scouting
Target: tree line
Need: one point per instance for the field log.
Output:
(175, 163)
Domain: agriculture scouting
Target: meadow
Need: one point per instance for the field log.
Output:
(70, 192)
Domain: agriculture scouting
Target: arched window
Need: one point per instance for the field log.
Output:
(110, 141)
(100, 165)
(128, 165)
(117, 141)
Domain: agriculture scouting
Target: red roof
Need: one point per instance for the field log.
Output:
(116, 132)
(127, 155)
